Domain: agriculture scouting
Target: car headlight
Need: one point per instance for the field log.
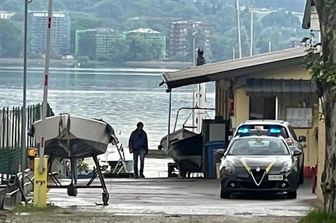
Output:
(227, 167)
(286, 167)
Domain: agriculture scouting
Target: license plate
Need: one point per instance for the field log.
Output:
(275, 177)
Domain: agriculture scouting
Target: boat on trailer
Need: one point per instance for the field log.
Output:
(184, 146)
(72, 137)
(185, 149)
(68, 136)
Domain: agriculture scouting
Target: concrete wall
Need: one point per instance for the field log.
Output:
(241, 107)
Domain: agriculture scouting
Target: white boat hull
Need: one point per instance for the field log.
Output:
(184, 145)
(71, 136)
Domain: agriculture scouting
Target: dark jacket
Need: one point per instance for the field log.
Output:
(138, 141)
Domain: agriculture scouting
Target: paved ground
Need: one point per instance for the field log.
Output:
(179, 197)
(172, 196)
(169, 200)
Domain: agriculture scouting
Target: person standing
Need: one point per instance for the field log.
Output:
(138, 145)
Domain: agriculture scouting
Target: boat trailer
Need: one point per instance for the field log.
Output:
(73, 186)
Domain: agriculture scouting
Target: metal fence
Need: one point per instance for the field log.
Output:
(11, 137)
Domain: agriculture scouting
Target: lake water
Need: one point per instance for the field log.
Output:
(121, 97)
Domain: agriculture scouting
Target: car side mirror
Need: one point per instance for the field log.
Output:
(297, 152)
(220, 152)
(302, 138)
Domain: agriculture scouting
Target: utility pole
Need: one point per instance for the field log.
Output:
(24, 125)
(238, 28)
(251, 33)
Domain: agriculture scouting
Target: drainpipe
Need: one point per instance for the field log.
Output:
(276, 108)
(193, 65)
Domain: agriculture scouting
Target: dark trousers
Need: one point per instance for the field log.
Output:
(139, 154)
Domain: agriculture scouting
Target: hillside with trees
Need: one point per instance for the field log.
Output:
(275, 28)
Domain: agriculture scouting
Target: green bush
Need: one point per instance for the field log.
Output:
(319, 216)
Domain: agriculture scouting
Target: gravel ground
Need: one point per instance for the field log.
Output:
(65, 217)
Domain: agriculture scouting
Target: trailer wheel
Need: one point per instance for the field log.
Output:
(105, 197)
(171, 168)
(72, 191)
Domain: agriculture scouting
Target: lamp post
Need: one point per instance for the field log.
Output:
(251, 33)
(24, 125)
(238, 28)
(194, 48)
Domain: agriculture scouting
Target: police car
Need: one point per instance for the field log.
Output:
(259, 161)
(286, 131)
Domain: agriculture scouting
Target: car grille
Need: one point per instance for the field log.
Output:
(252, 185)
(258, 175)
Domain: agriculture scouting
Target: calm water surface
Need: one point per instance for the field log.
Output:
(121, 97)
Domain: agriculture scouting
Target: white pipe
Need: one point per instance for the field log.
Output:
(276, 108)
(169, 117)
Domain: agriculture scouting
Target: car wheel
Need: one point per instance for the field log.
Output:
(292, 195)
(224, 194)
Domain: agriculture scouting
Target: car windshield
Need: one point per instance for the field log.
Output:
(258, 146)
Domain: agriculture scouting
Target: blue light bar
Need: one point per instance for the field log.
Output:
(243, 130)
(275, 131)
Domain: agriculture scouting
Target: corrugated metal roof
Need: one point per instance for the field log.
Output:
(273, 87)
(234, 68)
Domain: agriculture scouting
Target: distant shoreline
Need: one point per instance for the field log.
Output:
(72, 63)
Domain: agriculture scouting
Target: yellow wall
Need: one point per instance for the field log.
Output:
(241, 107)
(311, 145)
(314, 147)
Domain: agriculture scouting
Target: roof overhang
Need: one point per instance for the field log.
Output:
(234, 68)
(306, 22)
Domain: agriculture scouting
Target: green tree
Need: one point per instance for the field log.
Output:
(87, 45)
(279, 39)
(323, 70)
(119, 50)
(10, 39)
(141, 48)
(281, 19)
(81, 21)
